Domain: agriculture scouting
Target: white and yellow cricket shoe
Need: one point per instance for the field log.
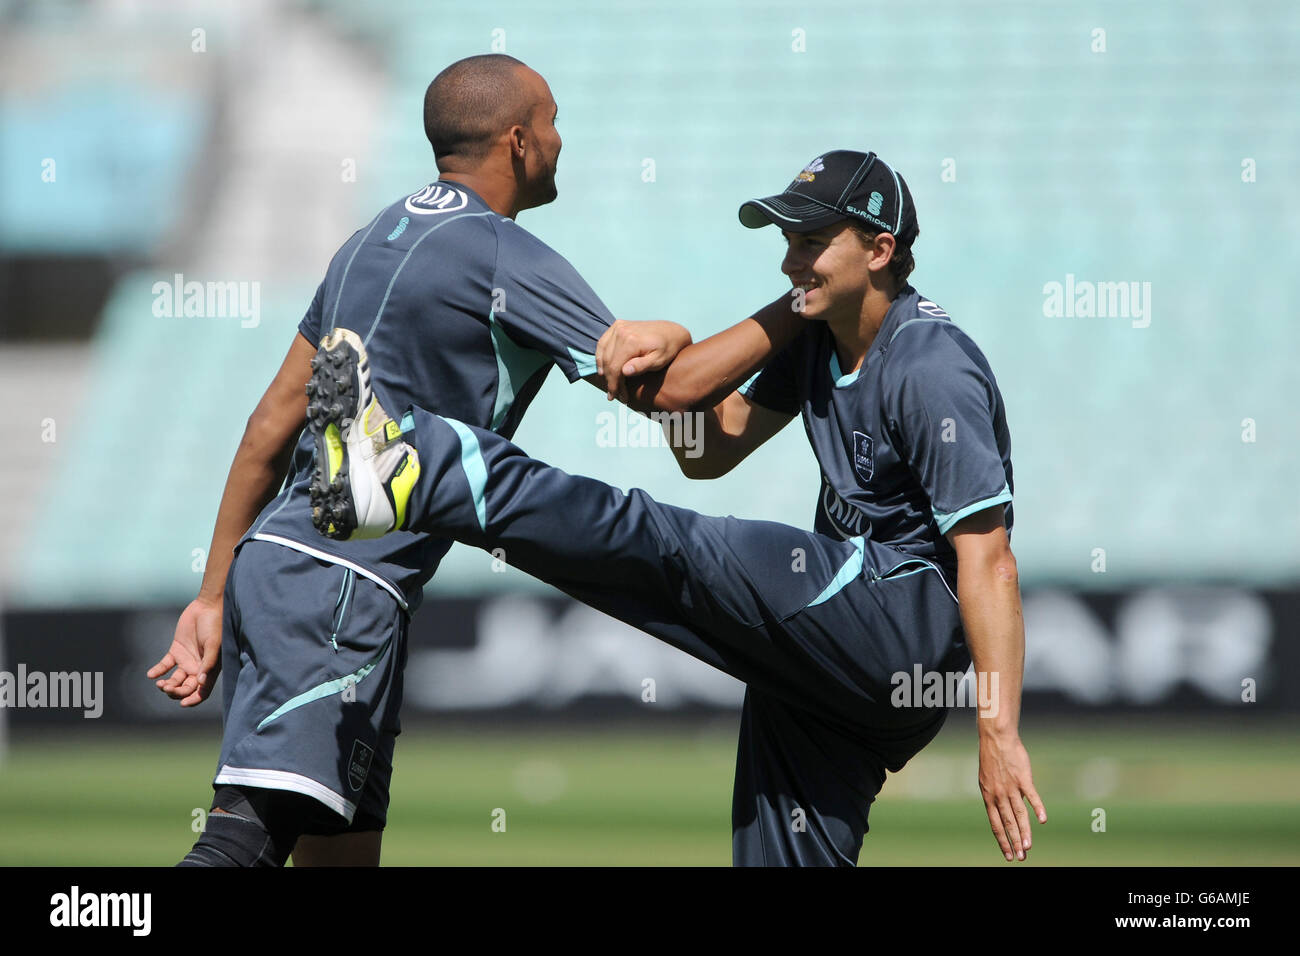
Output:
(363, 472)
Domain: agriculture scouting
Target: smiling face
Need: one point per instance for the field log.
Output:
(832, 268)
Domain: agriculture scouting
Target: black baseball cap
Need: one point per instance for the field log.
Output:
(841, 184)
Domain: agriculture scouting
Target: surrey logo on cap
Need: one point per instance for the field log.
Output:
(810, 171)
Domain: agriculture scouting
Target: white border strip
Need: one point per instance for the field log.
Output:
(898, 221)
(334, 559)
(284, 780)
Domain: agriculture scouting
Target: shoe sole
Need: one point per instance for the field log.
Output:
(335, 393)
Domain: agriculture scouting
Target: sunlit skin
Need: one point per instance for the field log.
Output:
(846, 285)
(543, 144)
(519, 171)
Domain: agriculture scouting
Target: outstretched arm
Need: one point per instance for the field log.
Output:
(674, 374)
(655, 368)
(988, 588)
(259, 465)
(726, 434)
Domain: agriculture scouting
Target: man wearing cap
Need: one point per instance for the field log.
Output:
(851, 638)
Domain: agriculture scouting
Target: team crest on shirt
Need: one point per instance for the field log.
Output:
(862, 463)
(436, 198)
(359, 764)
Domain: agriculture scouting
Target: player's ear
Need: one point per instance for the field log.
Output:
(882, 250)
(518, 137)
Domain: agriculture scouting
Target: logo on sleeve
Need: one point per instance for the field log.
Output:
(436, 198)
(862, 456)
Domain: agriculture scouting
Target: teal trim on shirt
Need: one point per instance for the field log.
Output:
(946, 521)
(471, 459)
(913, 321)
(586, 363)
(851, 569)
(515, 366)
(842, 380)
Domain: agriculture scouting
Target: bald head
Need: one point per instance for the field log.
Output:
(472, 102)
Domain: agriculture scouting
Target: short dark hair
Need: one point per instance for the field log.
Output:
(470, 102)
(902, 262)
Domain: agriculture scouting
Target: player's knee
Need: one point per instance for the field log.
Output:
(248, 826)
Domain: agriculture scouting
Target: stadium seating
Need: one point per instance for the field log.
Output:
(1115, 166)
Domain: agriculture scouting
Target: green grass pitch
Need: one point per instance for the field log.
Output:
(1189, 794)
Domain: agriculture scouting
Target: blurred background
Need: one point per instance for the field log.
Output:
(1107, 197)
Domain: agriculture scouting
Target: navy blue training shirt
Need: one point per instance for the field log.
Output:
(463, 313)
(908, 445)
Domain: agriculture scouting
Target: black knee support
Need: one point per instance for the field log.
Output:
(249, 826)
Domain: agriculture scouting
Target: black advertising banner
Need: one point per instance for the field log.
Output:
(1156, 649)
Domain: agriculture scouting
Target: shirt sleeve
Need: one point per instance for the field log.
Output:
(941, 404)
(776, 385)
(310, 326)
(542, 303)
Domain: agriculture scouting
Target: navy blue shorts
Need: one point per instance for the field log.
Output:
(312, 658)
